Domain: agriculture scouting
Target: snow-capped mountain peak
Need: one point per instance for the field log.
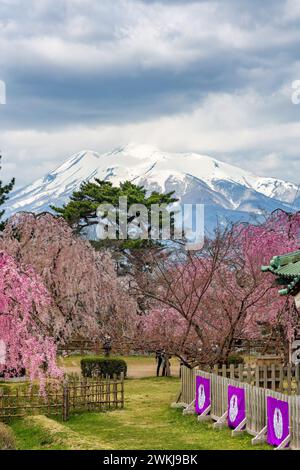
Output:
(226, 190)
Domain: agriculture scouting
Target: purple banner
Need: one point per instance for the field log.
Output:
(236, 406)
(202, 400)
(278, 421)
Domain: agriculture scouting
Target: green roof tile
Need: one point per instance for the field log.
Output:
(290, 270)
(287, 269)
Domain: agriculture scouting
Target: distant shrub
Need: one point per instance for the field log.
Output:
(235, 359)
(7, 438)
(101, 367)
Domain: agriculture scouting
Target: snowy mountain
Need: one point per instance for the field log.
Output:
(228, 192)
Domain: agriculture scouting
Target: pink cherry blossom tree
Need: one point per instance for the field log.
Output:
(220, 294)
(176, 287)
(88, 298)
(24, 322)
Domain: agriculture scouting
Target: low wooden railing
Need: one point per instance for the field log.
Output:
(61, 399)
(280, 378)
(255, 401)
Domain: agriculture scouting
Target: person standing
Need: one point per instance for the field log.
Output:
(107, 345)
(166, 372)
(159, 360)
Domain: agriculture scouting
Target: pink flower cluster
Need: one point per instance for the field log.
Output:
(24, 304)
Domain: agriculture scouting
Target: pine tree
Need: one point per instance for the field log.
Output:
(4, 191)
(81, 211)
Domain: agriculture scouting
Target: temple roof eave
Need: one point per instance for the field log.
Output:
(287, 270)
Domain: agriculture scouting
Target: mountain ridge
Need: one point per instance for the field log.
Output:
(225, 189)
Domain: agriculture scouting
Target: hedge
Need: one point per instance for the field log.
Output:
(102, 367)
(7, 438)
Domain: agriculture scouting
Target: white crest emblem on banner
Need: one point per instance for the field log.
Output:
(278, 423)
(201, 396)
(2, 352)
(233, 408)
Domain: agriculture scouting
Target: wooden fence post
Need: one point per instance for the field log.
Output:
(249, 375)
(273, 377)
(265, 372)
(297, 375)
(257, 384)
(122, 389)
(115, 390)
(65, 400)
(240, 372)
(281, 379)
(289, 378)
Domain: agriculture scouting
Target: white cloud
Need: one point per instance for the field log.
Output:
(231, 68)
(127, 33)
(229, 127)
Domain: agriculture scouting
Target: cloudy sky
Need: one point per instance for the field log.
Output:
(208, 76)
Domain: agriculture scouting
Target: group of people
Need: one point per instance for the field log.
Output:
(162, 358)
(163, 362)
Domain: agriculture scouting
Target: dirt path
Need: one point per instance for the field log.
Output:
(138, 367)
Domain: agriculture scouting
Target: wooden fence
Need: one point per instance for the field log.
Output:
(279, 378)
(255, 401)
(82, 346)
(76, 395)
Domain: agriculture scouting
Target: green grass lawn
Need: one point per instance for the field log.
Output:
(74, 359)
(146, 422)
